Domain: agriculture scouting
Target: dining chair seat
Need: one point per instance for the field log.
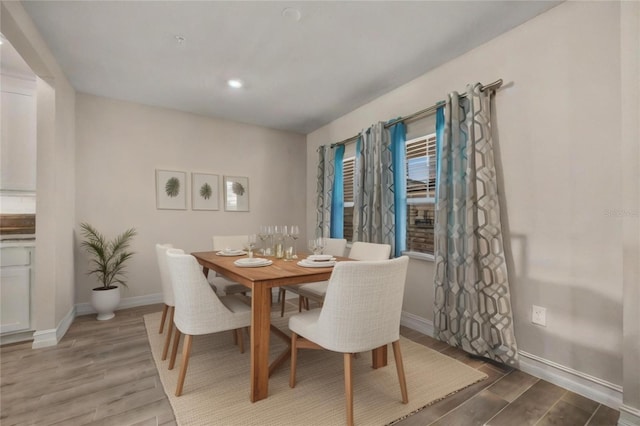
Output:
(167, 296)
(199, 310)
(362, 310)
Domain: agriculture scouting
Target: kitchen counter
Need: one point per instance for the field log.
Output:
(17, 224)
(12, 241)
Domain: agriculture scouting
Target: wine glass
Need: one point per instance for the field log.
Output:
(294, 233)
(251, 242)
(270, 238)
(263, 234)
(313, 246)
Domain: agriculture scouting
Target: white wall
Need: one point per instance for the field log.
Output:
(121, 144)
(53, 292)
(630, 87)
(558, 130)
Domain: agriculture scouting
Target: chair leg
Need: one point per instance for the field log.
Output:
(400, 367)
(300, 303)
(240, 337)
(167, 339)
(281, 295)
(186, 352)
(174, 351)
(294, 359)
(348, 387)
(164, 316)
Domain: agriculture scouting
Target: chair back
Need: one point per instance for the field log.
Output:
(197, 306)
(234, 242)
(334, 246)
(165, 279)
(363, 305)
(369, 251)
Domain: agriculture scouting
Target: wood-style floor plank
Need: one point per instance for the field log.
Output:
(475, 412)
(529, 407)
(103, 373)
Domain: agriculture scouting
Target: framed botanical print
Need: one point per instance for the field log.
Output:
(171, 190)
(236, 193)
(205, 191)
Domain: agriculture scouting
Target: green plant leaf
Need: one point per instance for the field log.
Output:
(172, 187)
(206, 191)
(107, 258)
(237, 188)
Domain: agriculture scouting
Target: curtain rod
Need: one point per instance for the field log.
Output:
(495, 85)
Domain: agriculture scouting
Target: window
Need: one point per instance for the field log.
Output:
(421, 193)
(348, 165)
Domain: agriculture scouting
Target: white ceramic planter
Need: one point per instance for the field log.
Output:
(105, 302)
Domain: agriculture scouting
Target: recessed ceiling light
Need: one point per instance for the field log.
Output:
(236, 84)
(291, 13)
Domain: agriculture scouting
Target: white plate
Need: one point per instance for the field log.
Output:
(327, 264)
(254, 262)
(231, 253)
(320, 257)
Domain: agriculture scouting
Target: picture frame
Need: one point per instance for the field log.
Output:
(236, 193)
(171, 190)
(205, 191)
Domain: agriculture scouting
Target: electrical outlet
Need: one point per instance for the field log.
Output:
(539, 315)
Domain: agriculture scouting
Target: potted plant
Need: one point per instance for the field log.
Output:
(108, 261)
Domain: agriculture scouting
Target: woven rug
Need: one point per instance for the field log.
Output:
(216, 389)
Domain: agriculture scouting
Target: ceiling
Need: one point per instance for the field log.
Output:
(299, 74)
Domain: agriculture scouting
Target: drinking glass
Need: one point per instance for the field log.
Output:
(263, 234)
(313, 246)
(269, 250)
(294, 233)
(251, 243)
(278, 235)
(320, 244)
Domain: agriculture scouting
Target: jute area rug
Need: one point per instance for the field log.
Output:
(216, 389)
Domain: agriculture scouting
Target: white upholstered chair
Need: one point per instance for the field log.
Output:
(361, 312)
(218, 282)
(359, 251)
(332, 246)
(198, 310)
(167, 295)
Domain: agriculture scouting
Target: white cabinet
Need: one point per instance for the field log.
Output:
(17, 134)
(16, 267)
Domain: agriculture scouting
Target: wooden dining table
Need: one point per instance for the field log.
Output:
(261, 280)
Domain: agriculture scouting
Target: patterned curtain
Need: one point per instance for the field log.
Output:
(472, 302)
(398, 134)
(373, 213)
(337, 198)
(324, 190)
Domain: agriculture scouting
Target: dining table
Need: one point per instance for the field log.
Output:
(260, 280)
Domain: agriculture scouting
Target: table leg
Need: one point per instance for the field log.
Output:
(205, 271)
(260, 327)
(379, 357)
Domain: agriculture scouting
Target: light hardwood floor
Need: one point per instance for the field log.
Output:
(102, 373)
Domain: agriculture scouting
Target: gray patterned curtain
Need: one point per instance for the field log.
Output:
(472, 302)
(324, 190)
(373, 213)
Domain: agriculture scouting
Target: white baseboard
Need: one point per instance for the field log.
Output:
(23, 336)
(51, 337)
(417, 323)
(599, 390)
(629, 416)
(125, 303)
(591, 387)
